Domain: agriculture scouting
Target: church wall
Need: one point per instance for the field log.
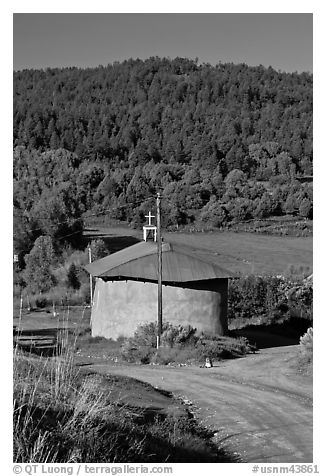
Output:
(120, 306)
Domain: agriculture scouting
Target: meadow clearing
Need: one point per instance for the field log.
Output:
(240, 252)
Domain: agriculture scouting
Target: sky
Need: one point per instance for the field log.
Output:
(281, 40)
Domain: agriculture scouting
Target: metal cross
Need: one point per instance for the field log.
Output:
(149, 216)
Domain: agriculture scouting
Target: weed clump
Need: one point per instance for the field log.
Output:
(180, 345)
(305, 360)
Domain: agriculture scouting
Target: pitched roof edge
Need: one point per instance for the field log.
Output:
(182, 250)
(151, 251)
(166, 247)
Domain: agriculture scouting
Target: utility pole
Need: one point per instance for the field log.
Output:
(159, 269)
(21, 305)
(90, 276)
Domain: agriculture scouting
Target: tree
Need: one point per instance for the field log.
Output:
(122, 121)
(240, 209)
(87, 182)
(23, 233)
(235, 179)
(263, 207)
(72, 277)
(216, 179)
(305, 209)
(98, 249)
(214, 213)
(37, 274)
(58, 214)
(235, 183)
(290, 205)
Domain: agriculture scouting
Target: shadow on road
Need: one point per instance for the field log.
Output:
(274, 335)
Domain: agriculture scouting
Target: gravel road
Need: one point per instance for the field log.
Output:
(259, 406)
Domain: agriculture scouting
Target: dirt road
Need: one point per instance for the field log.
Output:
(259, 406)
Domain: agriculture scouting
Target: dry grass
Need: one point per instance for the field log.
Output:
(250, 253)
(305, 361)
(63, 415)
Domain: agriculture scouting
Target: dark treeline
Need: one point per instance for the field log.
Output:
(223, 143)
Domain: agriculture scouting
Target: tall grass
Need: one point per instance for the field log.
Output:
(43, 387)
(63, 415)
(305, 361)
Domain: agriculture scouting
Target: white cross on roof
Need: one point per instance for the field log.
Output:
(149, 216)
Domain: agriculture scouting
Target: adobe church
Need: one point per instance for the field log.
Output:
(194, 290)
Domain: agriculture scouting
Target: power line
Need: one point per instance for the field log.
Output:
(102, 212)
(85, 217)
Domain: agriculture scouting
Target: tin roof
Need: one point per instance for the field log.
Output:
(179, 264)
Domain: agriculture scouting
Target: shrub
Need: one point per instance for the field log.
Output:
(269, 298)
(217, 347)
(306, 346)
(251, 296)
(140, 354)
(177, 335)
(41, 302)
(84, 293)
(69, 256)
(145, 334)
(142, 346)
(212, 347)
(301, 298)
(180, 344)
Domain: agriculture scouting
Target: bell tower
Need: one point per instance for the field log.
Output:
(150, 230)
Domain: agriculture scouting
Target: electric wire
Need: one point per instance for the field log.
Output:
(102, 212)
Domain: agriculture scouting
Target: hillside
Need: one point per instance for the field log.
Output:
(223, 144)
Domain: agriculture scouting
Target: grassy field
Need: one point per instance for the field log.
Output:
(241, 253)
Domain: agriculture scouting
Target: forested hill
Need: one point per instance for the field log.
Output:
(204, 135)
